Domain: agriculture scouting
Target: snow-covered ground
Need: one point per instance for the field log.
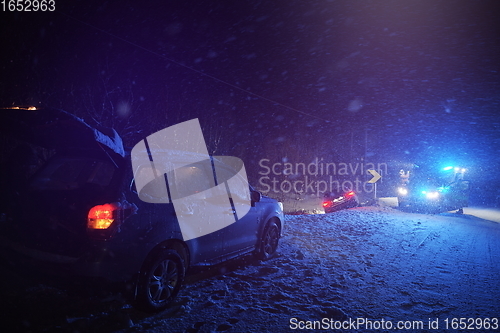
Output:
(359, 267)
(491, 214)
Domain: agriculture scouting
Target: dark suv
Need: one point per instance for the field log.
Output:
(69, 208)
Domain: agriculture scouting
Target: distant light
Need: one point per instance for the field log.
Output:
(432, 195)
(29, 108)
(463, 170)
(457, 169)
(402, 191)
(448, 168)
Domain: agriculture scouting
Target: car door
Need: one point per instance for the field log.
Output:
(243, 232)
(202, 208)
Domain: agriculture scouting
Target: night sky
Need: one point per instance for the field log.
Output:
(384, 80)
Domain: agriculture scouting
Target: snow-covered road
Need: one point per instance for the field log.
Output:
(365, 266)
(373, 264)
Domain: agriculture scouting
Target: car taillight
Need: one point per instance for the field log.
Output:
(327, 204)
(103, 221)
(349, 194)
(102, 216)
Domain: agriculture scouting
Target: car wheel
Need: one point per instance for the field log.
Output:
(159, 281)
(268, 244)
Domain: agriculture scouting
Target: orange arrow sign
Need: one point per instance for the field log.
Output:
(375, 174)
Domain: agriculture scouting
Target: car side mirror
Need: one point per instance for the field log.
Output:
(255, 196)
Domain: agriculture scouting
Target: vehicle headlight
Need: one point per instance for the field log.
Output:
(402, 191)
(432, 195)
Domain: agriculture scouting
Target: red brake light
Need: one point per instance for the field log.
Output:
(349, 194)
(327, 204)
(103, 221)
(102, 216)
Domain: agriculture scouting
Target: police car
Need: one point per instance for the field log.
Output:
(443, 190)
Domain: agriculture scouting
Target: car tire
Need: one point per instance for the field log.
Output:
(268, 244)
(159, 281)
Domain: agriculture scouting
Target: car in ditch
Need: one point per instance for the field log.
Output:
(71, 209)
(334, 201)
